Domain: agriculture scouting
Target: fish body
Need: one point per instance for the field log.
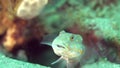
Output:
(76, 53)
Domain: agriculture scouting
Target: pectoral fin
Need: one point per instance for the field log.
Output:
(58, 60)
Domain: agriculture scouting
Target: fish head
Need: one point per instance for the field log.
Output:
(68, 45)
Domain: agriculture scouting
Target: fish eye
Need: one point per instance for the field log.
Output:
(72, 37)
(60, 46)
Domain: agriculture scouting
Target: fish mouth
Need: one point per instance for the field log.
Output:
(71, 55)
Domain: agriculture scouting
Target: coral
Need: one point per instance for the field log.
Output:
(14, 35)
(29, 9)
(4, 16)
(70, 12)
(17, 31)
(22, 31)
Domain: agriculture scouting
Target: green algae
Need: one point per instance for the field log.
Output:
(6, 62)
